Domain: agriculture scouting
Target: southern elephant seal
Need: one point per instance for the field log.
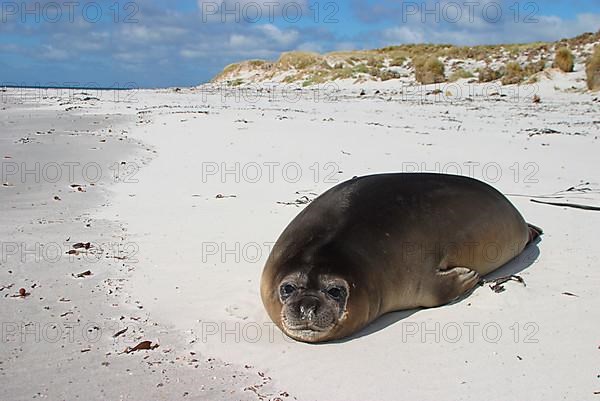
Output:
(387, 242)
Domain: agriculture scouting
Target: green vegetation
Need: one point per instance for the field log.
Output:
(460, 73)
(361, 69)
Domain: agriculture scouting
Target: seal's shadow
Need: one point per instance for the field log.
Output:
(523, 261)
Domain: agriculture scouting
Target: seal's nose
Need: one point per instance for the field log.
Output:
(308, 307)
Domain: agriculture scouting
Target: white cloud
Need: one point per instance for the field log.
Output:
(236, 11)
(193, 54)
(49, 52)
(282, 38)
(143, 33)
(241, 41)
(546, 28)
(404, 34)
(310, 47)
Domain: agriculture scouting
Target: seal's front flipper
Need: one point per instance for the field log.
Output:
(451, 284)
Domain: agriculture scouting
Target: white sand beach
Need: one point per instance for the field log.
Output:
(208, 177)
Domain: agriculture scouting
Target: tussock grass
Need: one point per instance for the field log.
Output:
(488, 74)
(534, 68)
(398, 61)
(592, 70)
(564, 60)
(429, 70)
(299, 60)
(513, 74)
(460, 73)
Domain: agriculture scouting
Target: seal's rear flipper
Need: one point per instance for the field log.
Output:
(534, 233)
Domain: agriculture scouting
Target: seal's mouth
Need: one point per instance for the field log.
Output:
(306, 334)
(306, 327)
(306, 331)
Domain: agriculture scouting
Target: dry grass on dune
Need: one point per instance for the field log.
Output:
(489, 74)
(592, 70)
(429, 70)
(512, 63)
(564, 60)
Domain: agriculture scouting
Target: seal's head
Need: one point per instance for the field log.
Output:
(312, 308)
(318, 296)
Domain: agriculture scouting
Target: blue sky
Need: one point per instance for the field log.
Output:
(158, 43)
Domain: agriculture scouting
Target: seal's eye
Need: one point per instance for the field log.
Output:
(287, 290)
(335, 293)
